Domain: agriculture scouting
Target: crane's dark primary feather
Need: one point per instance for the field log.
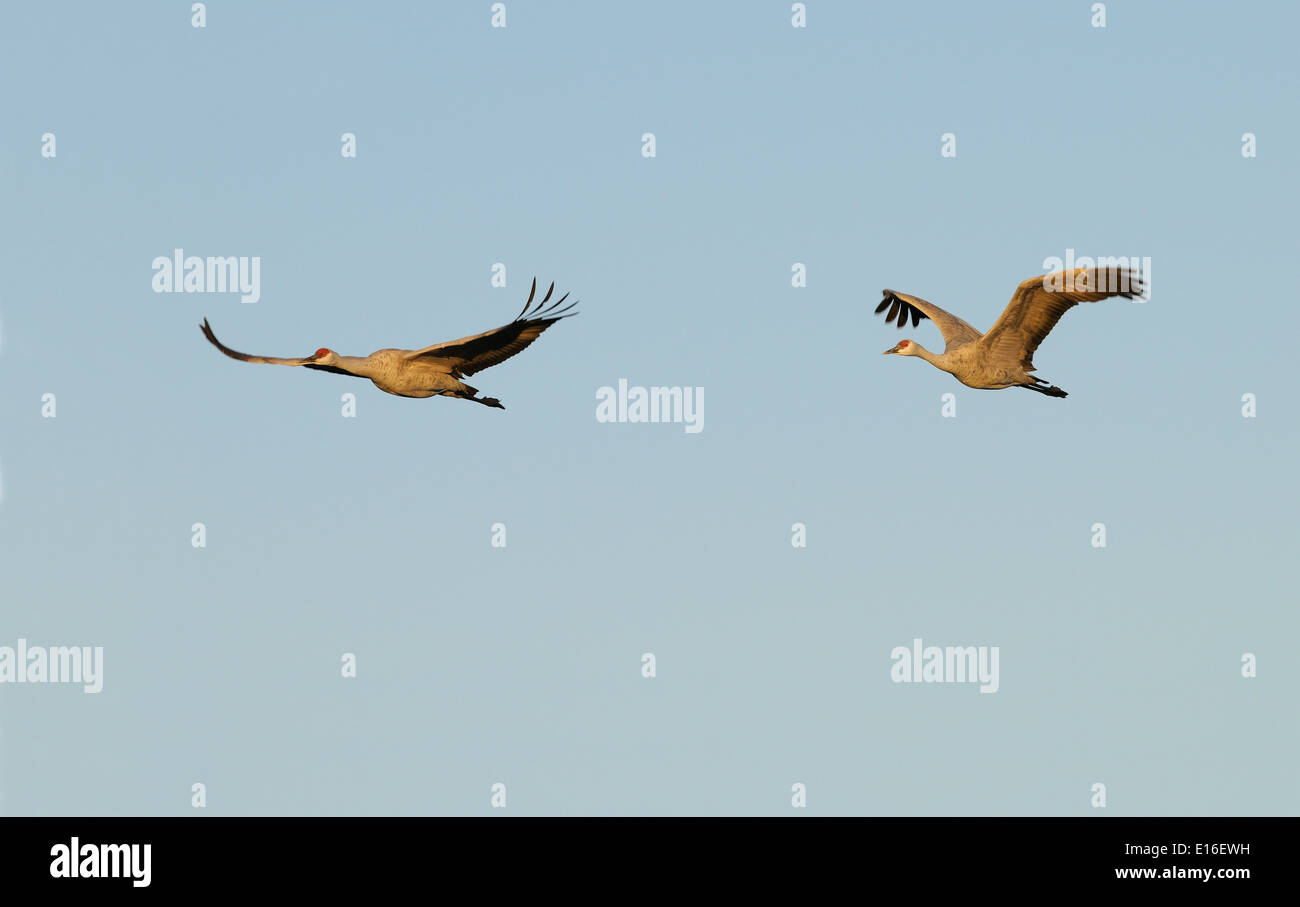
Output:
(553, 312)
(900, 311)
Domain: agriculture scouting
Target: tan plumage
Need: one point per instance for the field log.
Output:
(434, 370)
(1004, 356)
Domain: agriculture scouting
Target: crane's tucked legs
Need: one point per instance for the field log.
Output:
(1052, 391)
(486, 401)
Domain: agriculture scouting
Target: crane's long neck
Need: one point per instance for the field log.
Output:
(358, 365)
(936, 359)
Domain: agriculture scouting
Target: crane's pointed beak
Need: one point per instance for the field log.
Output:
(887, 352)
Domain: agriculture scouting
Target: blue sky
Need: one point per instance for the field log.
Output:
(521, 665)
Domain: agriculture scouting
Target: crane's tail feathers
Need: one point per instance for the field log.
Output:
(1052, 391)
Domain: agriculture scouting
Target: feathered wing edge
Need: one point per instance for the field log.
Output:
(1040, 302)
(271, 360)
(244, 357)
(955, 331)
(472, 354)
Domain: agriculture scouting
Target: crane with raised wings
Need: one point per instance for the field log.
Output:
(435, 370)
(1004, 357)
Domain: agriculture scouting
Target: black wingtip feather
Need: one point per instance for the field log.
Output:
(531, 294)
(543, 312)
(900, 312)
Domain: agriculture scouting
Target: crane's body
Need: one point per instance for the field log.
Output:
(969, 367)
(393, 371)
(1004, 357)
(434, 371)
